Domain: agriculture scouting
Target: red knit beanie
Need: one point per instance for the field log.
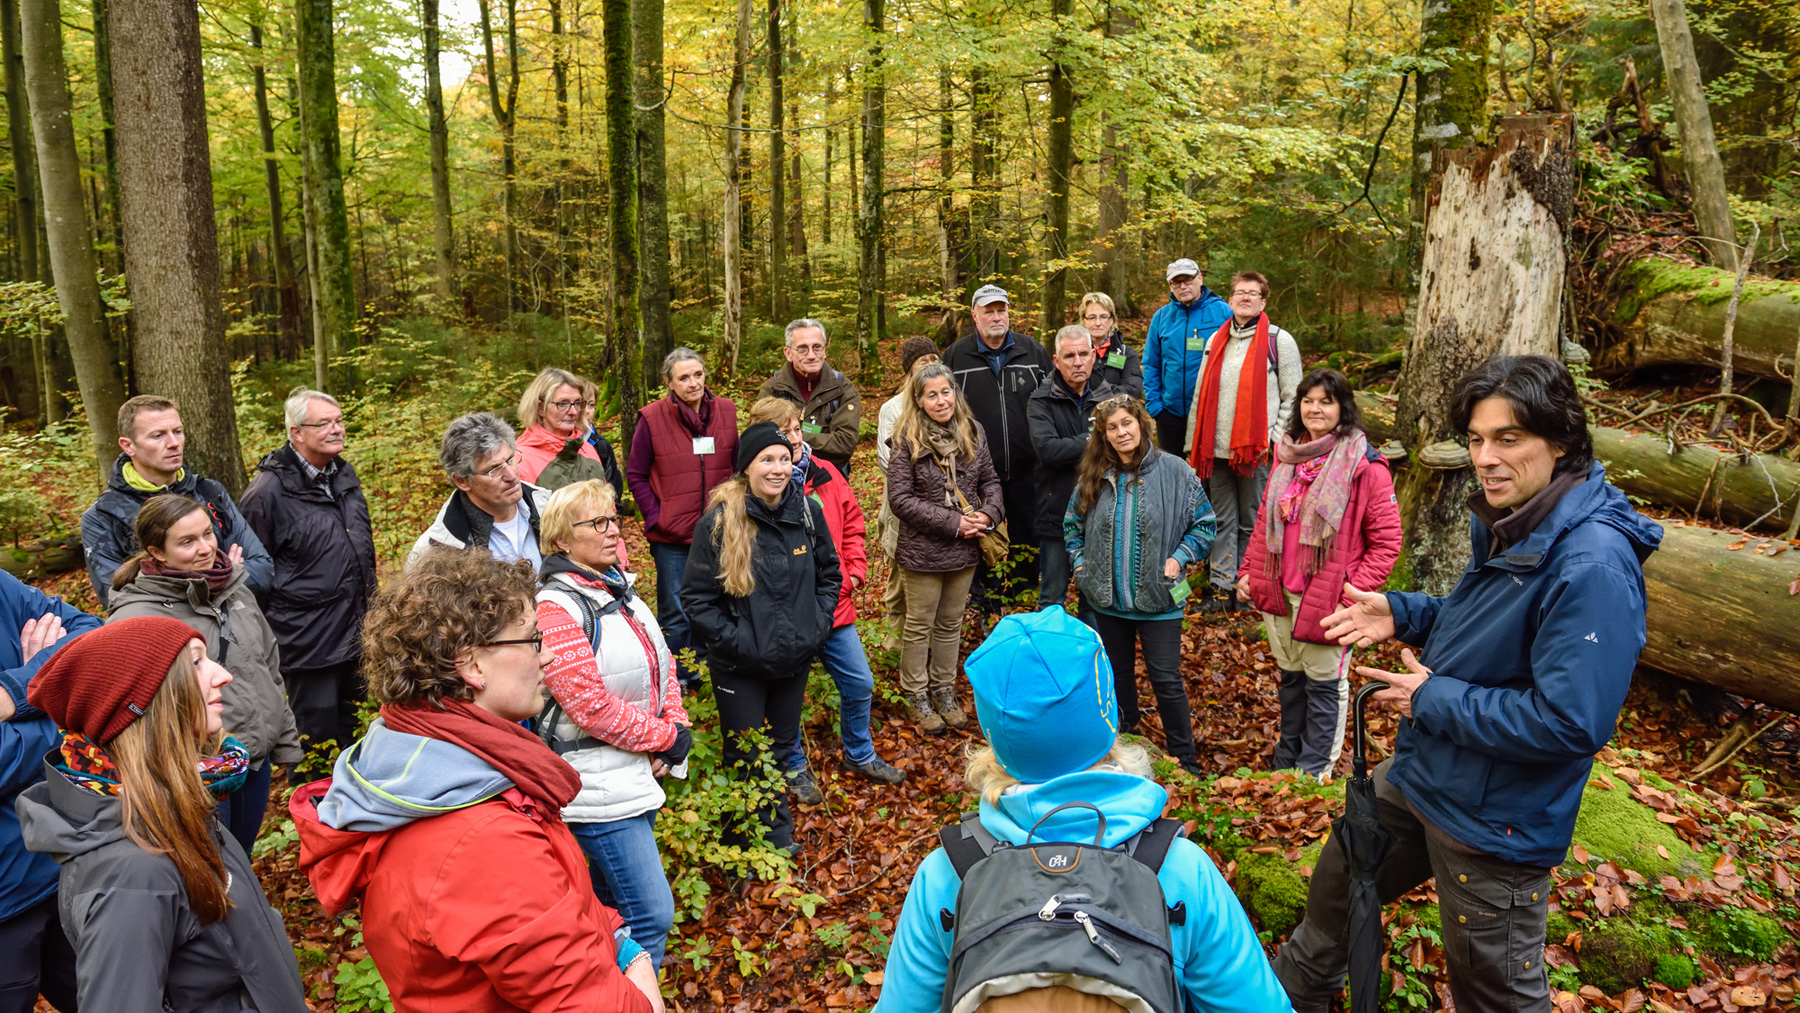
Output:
(103, 680)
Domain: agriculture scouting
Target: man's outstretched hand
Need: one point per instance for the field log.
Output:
(1368, 619)
(1401, 685)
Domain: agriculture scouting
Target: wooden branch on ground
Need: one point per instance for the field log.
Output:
(43, 558)
(1731, 312)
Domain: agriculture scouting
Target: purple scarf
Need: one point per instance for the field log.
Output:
(1311, 485)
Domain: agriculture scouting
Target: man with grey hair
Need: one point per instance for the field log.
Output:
(306, 505)
(492, 506)
(1060, 412)
(830, 407)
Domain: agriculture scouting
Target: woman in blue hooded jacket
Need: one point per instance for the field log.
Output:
(1046, 671)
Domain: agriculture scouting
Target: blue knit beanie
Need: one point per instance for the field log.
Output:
(1044, 695)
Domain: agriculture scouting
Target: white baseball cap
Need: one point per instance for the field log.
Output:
(988, 294)
(1181, 267)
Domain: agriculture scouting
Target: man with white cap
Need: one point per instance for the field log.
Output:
(998, 368)
(1174, 349)
(1044, 697)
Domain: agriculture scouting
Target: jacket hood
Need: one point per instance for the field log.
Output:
(160, 589)
(64, 821)
(1595, 499)
(389, 779)
(540, 437)
(1129, 802)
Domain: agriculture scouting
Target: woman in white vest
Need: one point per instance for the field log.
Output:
(616, 712)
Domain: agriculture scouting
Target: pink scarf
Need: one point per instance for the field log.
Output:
(1311, 485)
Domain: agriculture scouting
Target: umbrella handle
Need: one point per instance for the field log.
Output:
(1359, 763)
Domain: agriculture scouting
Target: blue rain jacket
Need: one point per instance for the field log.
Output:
(1170, 367)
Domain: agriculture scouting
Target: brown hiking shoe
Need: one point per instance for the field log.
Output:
(943, 700)
(920, 711)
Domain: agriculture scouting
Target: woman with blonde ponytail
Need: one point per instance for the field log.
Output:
(158, 900)
(761, 590)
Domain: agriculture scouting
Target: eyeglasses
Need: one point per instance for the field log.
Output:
(1248, 293)
(599, 524)
(563, 406)
(327, 424)
(1094, 318)
(536, 641)
(510, 464)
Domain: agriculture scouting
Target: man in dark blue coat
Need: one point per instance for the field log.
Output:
(35, 956)
(1523, 670)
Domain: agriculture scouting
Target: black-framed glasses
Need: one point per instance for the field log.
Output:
(536, 642)
(563, 406)
(599, 524)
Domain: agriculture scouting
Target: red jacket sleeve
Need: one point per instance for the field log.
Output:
(853, 555)
(544, 942)
(1380, 527)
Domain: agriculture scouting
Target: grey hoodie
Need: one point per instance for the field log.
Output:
(139, 947)
(389, 779)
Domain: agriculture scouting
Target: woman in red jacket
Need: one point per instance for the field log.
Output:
(1327, 517)
(446, 817)
(842, 654)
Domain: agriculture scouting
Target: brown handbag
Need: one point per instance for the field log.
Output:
(994, 542)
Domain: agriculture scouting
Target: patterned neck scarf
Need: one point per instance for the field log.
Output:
(86, 763)
(1310, 486)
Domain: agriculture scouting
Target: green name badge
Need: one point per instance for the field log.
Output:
(1196, 343)
(811, 428)
(1115, 361)
(1180, 591)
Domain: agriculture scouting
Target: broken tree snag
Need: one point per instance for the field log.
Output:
(1723, 616)
(1491, 282)
(1710, 484)
(1670, 314)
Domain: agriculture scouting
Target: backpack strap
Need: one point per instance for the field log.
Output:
(967, 842)
(589, 615)
(1151, 844)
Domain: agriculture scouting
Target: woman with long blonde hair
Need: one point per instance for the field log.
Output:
(158, 900)
(761, 589)
(1139, 518)
(943, 488)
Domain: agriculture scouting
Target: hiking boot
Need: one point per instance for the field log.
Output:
(1192, 766)
(943, 700)
(1217, 602)
(877, 769)
(806, 790)
(919, 711)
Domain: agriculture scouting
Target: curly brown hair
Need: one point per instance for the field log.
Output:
(447, 604)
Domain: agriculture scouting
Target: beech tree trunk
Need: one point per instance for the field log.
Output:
(949, 247)
(66, 221)
(653, 194)
(171, 238)
(1450, 110)
(335, 313)
(1664, 313)
(1699, 148)
(287, 292)
(870, 283)
(443, 237)
(984, 199)
(24, 155)
(1060, 152)
(1491, 282)
(103, 86)
(621, 169)
(505, 118)
(778, 236)
(733, 232)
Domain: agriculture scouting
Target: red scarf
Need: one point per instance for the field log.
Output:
(516, 753)
(1249, 424)
(216, 576)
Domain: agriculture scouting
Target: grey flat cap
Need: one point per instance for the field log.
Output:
(987, 294)
(1181, 267)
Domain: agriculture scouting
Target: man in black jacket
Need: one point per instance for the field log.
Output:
(998, 369)
(306, 505)
(1061, 411)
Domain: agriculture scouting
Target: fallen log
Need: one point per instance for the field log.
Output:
(1723, 616)
(1701, 481)
(43, 558)
(1666, 313)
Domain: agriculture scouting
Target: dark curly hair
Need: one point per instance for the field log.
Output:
(447, 603)
(1544, 402)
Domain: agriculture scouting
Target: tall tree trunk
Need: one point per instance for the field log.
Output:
(1451, 107)
(24, 155)
(777, 172)
(171, 240)
(796, 236)
(559, 82)
(504, 117)
(286, 291)
(1699, 148)
(1115, 179)
(870, 296)
(732, 238)
(443, 238)
(621, 164)
(1492, 284)
(70, 243)
(950, 251)
(1060, 152)
(830, 140)
(984, 198)
(104, 86)
(335, 312)
(653, 192)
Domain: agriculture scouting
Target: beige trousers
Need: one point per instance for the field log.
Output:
(932, 635)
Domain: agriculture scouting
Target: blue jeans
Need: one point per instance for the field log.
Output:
(242, 811)
(671, 566)
(628, 877)
(842, 654)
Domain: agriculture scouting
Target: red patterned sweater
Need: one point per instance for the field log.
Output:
(574, 679)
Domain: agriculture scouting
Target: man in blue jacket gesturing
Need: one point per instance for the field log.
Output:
(1174, 349)
(1519, 683)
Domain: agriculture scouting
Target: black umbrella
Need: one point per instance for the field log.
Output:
(1366, 845)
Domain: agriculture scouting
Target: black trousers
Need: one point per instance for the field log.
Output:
(324, 701)
(1162, 660)
(750, 701)
(1171, 434)
(1493, 914)
(35, 957)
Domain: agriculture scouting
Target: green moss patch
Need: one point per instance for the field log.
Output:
(1273, 889)
(1615, 827)
(1652, 278)
(1736, 935)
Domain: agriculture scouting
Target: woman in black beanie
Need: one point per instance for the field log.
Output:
(760, 591)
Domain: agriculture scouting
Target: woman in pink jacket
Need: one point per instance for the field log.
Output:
(1327, 518)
